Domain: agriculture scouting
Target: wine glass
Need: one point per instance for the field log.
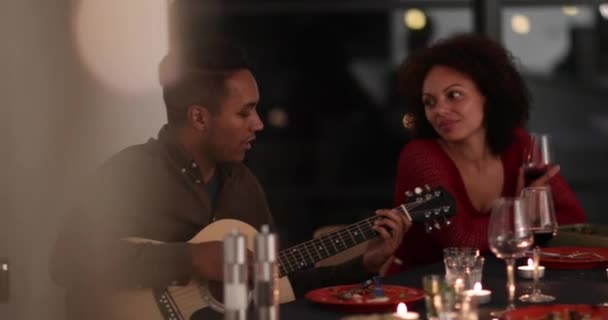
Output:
(539, 203)
(509, 236)
(538, 157)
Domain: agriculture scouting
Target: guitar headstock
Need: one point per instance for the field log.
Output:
(432, 206)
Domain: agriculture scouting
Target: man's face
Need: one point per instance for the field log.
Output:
(232, 129)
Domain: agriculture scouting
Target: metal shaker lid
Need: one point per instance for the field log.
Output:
(265, 245)
(235, 247)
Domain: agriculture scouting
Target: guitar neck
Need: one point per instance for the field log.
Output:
(430, 207)
(310, 252)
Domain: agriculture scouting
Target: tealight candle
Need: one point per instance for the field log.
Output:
(403, 314)
(483, 296)
(527, 272)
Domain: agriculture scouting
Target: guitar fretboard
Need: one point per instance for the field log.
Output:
(308, 253)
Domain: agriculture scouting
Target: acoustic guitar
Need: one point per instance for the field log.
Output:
(432, 207)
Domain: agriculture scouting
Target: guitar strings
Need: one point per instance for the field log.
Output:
(289, 256)
(365, 227)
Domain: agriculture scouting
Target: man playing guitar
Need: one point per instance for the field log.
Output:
(170, 188)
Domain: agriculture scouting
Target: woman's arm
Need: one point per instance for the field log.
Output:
(568, 210)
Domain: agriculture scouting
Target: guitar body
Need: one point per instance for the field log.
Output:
(180, 302)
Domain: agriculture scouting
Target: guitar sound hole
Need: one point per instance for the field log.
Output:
(216, 288)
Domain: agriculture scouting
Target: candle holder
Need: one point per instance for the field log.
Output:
(536, 296)
(401, 314)
(373, 316)
(483, 296)
(527, 271)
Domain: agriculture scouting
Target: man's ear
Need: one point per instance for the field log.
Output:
(198, 117)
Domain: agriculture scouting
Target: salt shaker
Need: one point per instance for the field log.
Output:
(235, 276)
(266, 280)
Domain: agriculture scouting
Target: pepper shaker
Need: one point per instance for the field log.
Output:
(235, 276)
(266, 280)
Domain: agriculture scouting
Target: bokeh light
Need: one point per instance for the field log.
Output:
(414, 19)
(570, 10)
(121, 42)
(520, 24)
(604, 10)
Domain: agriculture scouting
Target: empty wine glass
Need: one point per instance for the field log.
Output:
(509, 236)
(538, 157)
(539, 203)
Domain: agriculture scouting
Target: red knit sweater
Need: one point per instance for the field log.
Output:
(423, 161)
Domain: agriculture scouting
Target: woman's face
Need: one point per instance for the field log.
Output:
(453, 104)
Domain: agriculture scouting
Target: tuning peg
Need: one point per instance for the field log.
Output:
(427, 187)
(427, 227)
(436, 224)
(446, 222)
(437, 193)
(418, 190)
(428, 196)
(446, 209)
(409, 194)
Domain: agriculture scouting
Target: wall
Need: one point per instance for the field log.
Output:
(56, 124)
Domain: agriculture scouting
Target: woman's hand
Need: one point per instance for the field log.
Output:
(543, 180)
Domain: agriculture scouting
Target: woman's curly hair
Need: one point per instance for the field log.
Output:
(492, 69)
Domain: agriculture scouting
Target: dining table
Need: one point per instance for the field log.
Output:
(587, 285)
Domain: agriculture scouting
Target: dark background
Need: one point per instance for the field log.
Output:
(334, 160)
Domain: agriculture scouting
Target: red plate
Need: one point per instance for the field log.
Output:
(330, 297)
(561, 311)
(587, 261)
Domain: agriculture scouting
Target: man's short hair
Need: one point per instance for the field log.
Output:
(196, 74)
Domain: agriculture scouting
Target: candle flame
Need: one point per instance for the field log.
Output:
(477, 286)
(401, 309)
(530, 263)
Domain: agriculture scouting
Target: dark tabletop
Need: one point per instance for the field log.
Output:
(588, 286)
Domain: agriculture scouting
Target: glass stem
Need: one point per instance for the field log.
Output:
(535, 257)
(510, 282)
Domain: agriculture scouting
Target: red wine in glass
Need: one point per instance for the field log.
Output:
(538, 156)
(541, 238)
(532, 173)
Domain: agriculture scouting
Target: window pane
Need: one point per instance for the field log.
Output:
(563, 54)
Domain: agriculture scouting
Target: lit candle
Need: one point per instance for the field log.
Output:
(483, 296)
(402, 313)
(527, 272)
(459, 285)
